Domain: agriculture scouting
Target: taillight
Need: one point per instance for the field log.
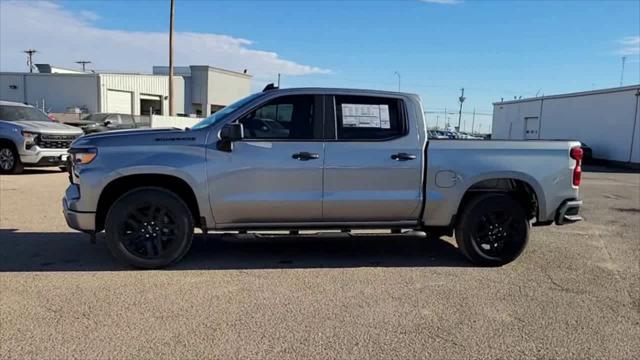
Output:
(576, 153)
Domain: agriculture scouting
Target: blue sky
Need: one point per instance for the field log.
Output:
(492, 48)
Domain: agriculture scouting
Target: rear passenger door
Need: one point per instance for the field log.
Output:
(373, 160)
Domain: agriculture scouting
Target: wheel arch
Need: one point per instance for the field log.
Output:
(7, 141)
(525, 189)
(121, 185)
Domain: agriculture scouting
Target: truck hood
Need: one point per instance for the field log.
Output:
(47, 127)
(131, 132)
(156, 136)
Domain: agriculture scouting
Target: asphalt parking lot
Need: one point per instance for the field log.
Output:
(575, 293)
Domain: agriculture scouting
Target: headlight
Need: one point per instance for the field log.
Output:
(29, 138)
(83, 155)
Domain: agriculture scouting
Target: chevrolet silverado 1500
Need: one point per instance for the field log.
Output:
(295, 159)
(28, 138)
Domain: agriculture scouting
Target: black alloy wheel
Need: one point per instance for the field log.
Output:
(149, 228)
(493, 229)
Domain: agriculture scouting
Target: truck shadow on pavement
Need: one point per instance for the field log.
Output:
(60, 251)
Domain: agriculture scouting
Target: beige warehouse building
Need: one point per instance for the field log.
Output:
(198, 90)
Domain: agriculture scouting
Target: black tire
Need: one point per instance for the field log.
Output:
(149, 228)
(492, 230)
(9, 159)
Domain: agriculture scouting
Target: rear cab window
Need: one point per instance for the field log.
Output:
(368, 118)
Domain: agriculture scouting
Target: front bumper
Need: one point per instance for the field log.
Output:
(568, 212)
(44, 157)
(83, 221)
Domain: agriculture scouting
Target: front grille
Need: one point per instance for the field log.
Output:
(47, 141)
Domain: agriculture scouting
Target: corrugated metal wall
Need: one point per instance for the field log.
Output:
(607, 121)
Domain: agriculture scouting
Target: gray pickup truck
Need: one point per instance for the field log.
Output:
(28, 138)
(297, 159)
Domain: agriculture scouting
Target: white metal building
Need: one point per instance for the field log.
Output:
(607, 120)
(204, 88)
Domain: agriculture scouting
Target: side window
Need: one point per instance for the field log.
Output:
(287, 117)
(368, 118)
(114, 118)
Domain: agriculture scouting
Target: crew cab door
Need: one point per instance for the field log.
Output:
(373, 166)
(274, 174)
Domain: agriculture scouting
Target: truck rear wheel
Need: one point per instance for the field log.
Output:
(149, 228)
(493, 230)
(9, 159)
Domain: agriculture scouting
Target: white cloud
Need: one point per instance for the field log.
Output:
(89, 15)
(630, 46)
(445, 2)
(63, 37)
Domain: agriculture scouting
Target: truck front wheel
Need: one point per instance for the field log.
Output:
(9, 159)
(492, 230)
(149, 228)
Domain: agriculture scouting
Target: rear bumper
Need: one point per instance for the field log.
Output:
(83, 221)
(568, 212)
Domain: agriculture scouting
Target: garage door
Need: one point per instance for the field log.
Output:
(119, 102)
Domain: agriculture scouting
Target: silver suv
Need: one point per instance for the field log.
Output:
(29, 138)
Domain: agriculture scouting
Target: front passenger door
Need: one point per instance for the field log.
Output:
(274, 174)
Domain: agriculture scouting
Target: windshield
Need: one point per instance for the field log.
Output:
(224, 112)
(21, 113)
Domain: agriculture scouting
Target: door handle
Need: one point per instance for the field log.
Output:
(304, 156)
(403, 156)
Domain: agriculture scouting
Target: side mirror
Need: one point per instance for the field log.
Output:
(107, 123)
(228, 134)
(232, 132)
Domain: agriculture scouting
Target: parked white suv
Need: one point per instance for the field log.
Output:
(29, 138)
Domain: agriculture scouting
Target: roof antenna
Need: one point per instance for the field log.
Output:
(269, 87)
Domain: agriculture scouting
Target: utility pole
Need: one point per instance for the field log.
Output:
(398, 75)
(624, 59)
(473, 121)
(171, 113)
(278, 80)
(83, 63)
(30, 53)
(461, 99)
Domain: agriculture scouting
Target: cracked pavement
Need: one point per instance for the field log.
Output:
(574, 293)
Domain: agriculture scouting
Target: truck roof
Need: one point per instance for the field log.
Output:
(323, 90)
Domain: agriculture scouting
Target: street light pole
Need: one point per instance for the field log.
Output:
(398, 75)
(171, 113)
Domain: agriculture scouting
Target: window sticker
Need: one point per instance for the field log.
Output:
(365, 116)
